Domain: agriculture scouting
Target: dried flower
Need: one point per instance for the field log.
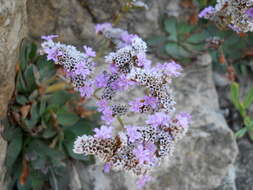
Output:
(235, 14)
(136, 149)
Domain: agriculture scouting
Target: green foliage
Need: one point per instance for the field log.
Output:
(42, 126)
(183, 41)
(242, 107)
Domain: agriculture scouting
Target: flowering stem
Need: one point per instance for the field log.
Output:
(95, 96)
(120, 122)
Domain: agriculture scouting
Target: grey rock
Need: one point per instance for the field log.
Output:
(244, 171)
(12, 30)
(220, 80)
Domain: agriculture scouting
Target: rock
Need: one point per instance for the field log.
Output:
(12, 30)
(74, 20)
(220, 80)
(67, 18)
(244, 171)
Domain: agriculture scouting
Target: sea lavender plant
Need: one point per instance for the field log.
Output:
(136, 149)
(235, 14)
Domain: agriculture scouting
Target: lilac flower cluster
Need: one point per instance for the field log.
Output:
(136, 149)
(235, 14)
(78, 66)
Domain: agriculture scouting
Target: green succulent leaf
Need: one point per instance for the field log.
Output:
(66, 118)
(60, 97)
(248, 99)
(46, 68)
(21, 99)
(234, 94)
(21, 85)
(171, 27)
(14, 147)
(241, 132)
(30, 78)
(176, 51)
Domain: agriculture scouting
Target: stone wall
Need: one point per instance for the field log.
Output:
(12, 30)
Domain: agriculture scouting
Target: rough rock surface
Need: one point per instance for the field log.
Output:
(244, 171)
(204, 159)
(12, 30)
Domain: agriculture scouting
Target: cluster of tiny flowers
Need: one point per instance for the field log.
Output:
(235, 14)
(77, 65)
(136, 149)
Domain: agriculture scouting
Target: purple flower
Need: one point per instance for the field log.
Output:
(132, 133)
(107, 116)
(206, 12)
(113, 68)
(89, 51)
(151, 147)
(52, 54)
(249, 12)
(143, 61)
(158, 119)
(87, 90)
(104, 107)
(127, 38)
(235, 28)
(81, 69)
(184, 119)
(136, 105)
(101, 80)
(101, 27)
(49, 37)
(103, 132)
(172, 69)
(151, 101)
(107, 167)
(141, 182)
(122, 83)
(142, 154)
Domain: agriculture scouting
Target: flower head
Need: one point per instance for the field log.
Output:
(133, 133)
(144, 154)
(171, 69)
(249, 12)
(107, 167)
(183, 119)
(89, 52)
(81, 69)
(143, 61)
(158, 119)
(87, 90)
(206, 12)
(49, 37)
(101, 80)
(103, 132)
(127, 38)
(52, 54)
(107, 114)
(101, 27)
